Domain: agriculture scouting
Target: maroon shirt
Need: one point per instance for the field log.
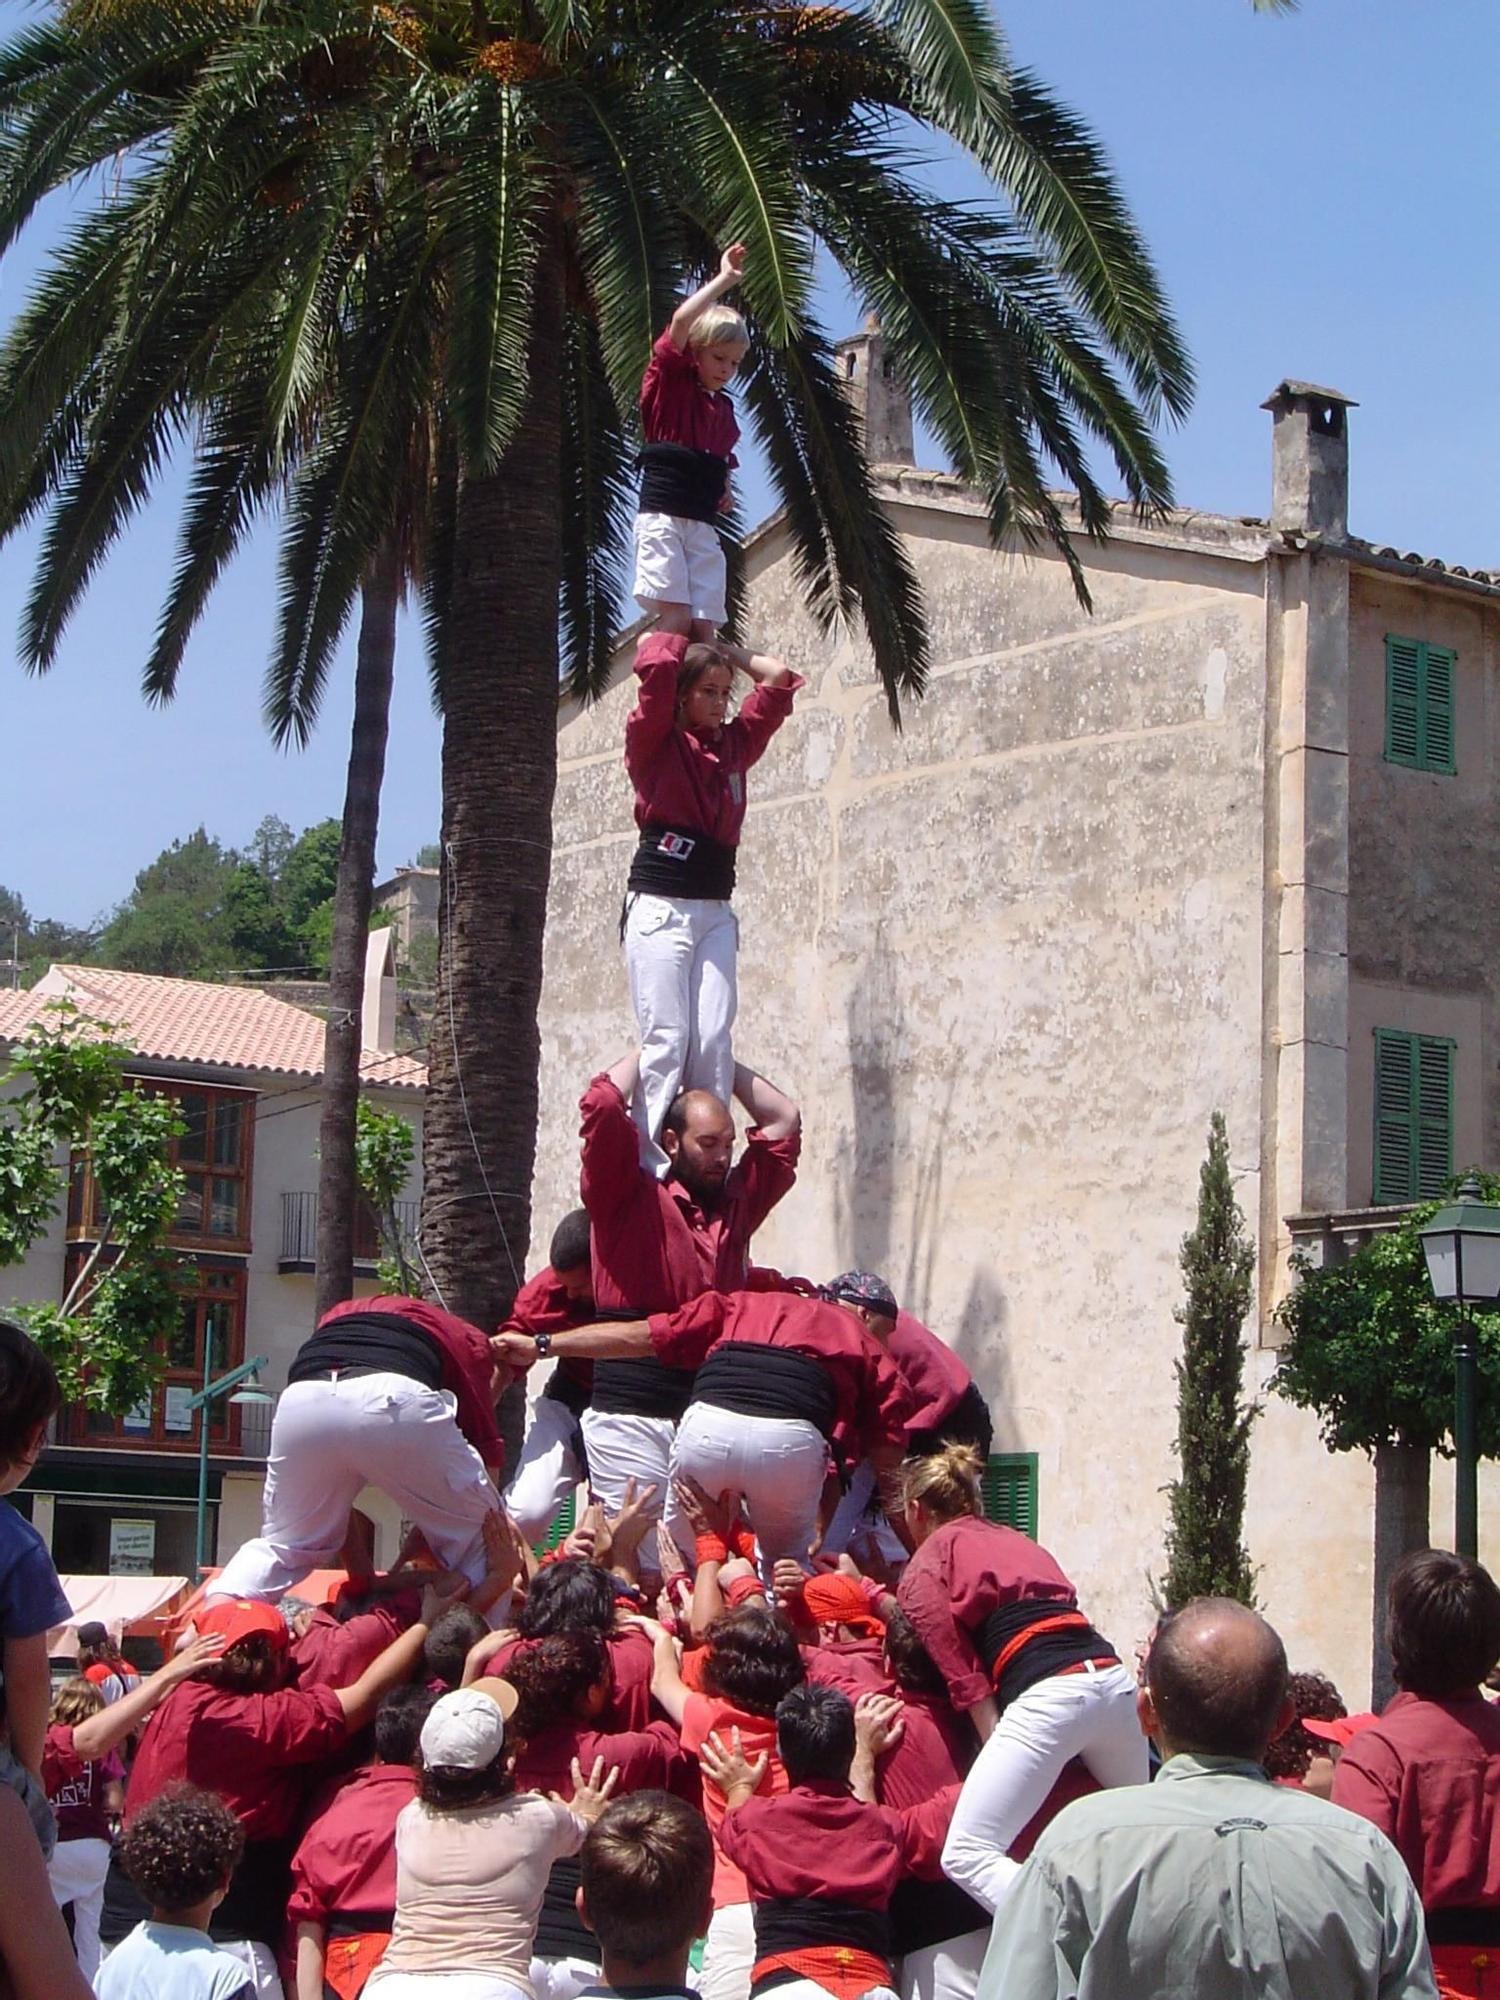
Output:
(819, 1840)
(654, 1247)
(543, 1306)
(337, 1654)
(649, 1759)
(872, 1402)
(936, 1747)
(961, 1573)
(1428, 1775)
(937, 1379)
(75, 1787)
(683, 780)
(466, 1362)
(630, 1664)
(677, 409)
(252, 1749)
(345, 1864)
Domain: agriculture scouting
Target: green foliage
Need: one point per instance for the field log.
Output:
(384, 1148)
(37, 942)
(174, 919)
(1206, 1555)
(315, 938)
(429, 855)
(310, 873)
(1371, 1351)
(70, 1095)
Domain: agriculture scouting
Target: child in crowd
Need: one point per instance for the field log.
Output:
(690, 433)
(180, 1852)
(646, 1893)
(85, 1793)
(31, 1598)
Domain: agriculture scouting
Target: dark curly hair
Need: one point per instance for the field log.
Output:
(448, 1641)
(448, 1787)
(252, 1665)
(551, 1676)
(181, 1847)
(912, 1666)
(1289, 1754)
(568, 1596)
(752, 1659)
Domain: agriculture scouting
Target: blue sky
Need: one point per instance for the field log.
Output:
(1321, 192)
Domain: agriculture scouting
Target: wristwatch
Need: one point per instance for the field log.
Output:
(543, 1345)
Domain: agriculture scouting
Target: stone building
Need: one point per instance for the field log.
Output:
(1224, 843)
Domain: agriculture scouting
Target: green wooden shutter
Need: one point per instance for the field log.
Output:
(1437, 709)
(1403, 697)
(1413, 1115)
(1434, 1116)
(1008, 1488)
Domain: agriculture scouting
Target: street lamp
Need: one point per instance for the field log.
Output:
(1462, 1248)
(245, 1381)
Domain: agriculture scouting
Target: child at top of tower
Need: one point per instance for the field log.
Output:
(691, 431)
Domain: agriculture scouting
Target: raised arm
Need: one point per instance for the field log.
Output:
(731, 270)
(98, 1734)
(610, 1165)
(762, 668)
(770, 1109)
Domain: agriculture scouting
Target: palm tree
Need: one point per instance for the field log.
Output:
(473, 218)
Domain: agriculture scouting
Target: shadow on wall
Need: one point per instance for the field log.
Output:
(979, 1336)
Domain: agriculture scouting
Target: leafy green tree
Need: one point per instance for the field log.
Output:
(310, 873)
(429, 855)
(1370, 1351)
(384, 1148)
(346, 234)
(256, 929)
(1206, 1555)
(270, 845)
(67, 1095)
(174, 920)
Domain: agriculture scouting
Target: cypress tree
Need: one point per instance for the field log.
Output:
(1206, 1555)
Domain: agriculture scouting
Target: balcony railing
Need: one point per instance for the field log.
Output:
(299, 1232)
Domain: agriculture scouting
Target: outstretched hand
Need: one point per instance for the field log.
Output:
(735, 1774)
(732, 263)
(591, 1794)
(878, 1723)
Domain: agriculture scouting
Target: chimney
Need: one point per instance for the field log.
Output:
(1310, 459)
(377, 1028)
(868, 377)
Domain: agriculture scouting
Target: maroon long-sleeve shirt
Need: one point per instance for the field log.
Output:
(872, 1401)
(682, 780)
(820, 1841)
(963, 1571)
(1428, 1775)
(544, 1305)
(345, 1863)
(937, 1379)
(654, 1246)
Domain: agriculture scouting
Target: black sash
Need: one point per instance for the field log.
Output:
(795, 1923)
(680, 861)
(641, 1389)
(371, 1343)
(560, 1931)
(1047, 1654)
(1464, 1927)
(679, 480)
(566, 1389)
(767, 1382)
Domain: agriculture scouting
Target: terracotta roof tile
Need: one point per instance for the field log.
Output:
(193, 1021)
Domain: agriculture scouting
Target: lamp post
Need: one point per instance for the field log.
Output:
(247, 1374)
(1462, 1248)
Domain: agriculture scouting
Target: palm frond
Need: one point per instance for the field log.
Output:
(598, 495)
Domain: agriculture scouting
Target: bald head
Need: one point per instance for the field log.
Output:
(1216, 1680)
(697, 1136)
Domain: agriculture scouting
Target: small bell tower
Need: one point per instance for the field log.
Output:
(869, 379)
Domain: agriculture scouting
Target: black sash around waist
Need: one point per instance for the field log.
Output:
(767, 1382)
(929, 1913)
(1476, 1926)
(646, 1388)
(1047, 1654)
(566, 1389)
(361, 1923)
(681, 861)
(797, 1923)
(560, 1931)
(678, 479)
(369, 1344)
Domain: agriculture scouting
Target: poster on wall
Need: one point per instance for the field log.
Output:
(132, 1548)
(176, 1413)
(138, 1420)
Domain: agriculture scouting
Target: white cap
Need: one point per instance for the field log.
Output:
(465, 1730)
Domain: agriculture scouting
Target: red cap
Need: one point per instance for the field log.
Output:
(238, 1618)
(1340, 1728)
(835, 1599)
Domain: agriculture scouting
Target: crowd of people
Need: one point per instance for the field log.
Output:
(781, 1711)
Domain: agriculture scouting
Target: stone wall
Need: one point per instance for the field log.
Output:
(1009, 959)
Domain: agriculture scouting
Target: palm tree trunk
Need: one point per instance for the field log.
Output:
(338, 1188)
(499, 698)
(1403, 1493)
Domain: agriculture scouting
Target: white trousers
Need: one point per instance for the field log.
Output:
(550, 1466)
(857, 1519)
(946, 1971)
(809, 1989)
(680, 956)
(260, 1962)
(729, 1953)
(776, 1465)
(382, 1985)
(622, 1448)
(1089, 1715)
(329, 1440)
(77, 1871)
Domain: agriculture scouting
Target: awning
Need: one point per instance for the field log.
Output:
(123, 1604)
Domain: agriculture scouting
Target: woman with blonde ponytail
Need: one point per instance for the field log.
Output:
(1021, 1660)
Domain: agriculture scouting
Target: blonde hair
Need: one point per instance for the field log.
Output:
(75, 1701)
(718, 326)
(946, 1483)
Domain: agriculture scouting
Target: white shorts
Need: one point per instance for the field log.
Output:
(680, 562)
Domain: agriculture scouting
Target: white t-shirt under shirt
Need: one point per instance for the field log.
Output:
(169, 1962)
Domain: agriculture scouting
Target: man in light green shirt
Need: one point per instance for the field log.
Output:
(1212, 1883)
